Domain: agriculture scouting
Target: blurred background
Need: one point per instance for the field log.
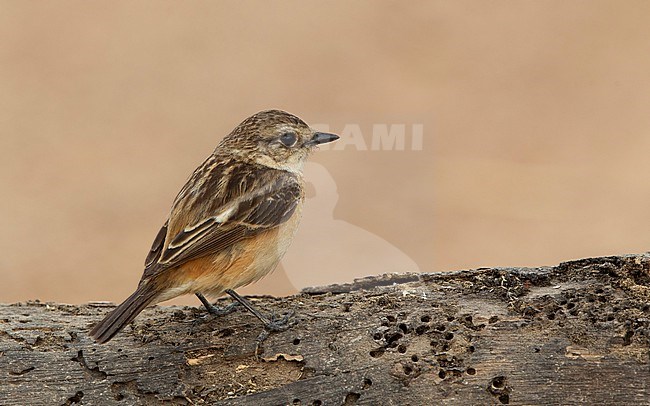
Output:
(525, 130)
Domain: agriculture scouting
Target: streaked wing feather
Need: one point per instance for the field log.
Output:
(213, 239)
(156, 247)
(216, 240)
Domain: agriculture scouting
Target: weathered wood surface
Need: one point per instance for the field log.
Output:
(578, 333)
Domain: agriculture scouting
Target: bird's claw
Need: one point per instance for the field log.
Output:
(222, 311)
(276, 324)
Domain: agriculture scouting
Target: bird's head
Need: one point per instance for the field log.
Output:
(274, 138)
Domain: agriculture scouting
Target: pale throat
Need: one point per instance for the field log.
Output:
(294, 164)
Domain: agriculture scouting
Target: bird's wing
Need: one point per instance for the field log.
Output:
(156, 247)
(259, 206)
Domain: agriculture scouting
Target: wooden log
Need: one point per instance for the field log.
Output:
(577, 333)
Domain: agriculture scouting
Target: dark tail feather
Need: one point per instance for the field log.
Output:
(116, 320)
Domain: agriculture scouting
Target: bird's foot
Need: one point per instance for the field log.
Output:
(276, 324)
(216, 310)
(222, 311)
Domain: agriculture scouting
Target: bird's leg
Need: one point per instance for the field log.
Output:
(216, 310)
(272, 324)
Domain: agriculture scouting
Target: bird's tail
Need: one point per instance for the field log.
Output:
(123, 314)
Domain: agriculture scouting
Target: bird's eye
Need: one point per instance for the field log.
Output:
(288, 139)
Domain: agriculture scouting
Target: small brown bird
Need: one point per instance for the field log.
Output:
(232, 221)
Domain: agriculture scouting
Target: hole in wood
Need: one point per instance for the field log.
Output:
(499, 382)
(351, 398)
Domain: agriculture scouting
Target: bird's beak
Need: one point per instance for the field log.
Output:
(321, 138)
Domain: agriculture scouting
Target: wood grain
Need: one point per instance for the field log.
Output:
(577, 333)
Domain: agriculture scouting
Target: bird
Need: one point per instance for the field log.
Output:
(231, 222)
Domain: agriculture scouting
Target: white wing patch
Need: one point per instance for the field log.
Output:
(191, 232)
(225, 215)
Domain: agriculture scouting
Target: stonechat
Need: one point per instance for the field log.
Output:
(232, 221)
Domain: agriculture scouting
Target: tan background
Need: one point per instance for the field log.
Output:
(536, 119)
